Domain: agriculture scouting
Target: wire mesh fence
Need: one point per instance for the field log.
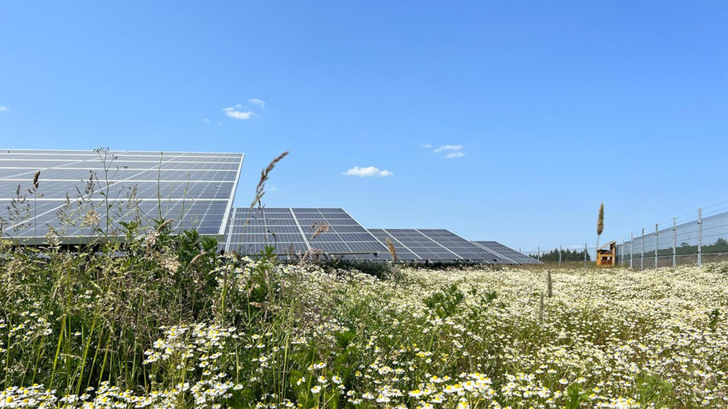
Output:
(570, 255)
(694, 238)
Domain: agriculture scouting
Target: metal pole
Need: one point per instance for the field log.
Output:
(560, 250)
(585, 250)
(631, 248)
(700, 236)
(657, 232)
(674, 241)
(642, 251)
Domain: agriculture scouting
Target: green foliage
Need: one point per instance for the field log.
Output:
(713, 319)
(445, 302)
(654, 390)
(575, 396)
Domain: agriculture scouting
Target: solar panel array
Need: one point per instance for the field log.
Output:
(195, 189)
(292, 232)
(435, 246)
(506, 253)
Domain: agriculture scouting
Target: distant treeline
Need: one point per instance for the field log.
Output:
(720, 246)
(566, 255)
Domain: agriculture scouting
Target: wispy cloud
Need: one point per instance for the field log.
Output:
(256, 101)
(426, 146)
(235, 113)
(368, 171)
(450, 151)
(454, 154)
(444, 148)
(3, 108)
(205, 119)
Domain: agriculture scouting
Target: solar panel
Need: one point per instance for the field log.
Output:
(433, 245)
(506, 253)
(78, 191)
(292, 231)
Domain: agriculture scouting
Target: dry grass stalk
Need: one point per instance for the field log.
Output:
(264, 174)
(540, 310)
(319, 229)
(35, 180)
(392, 251)
(311, 255)
(600, 223)
(549, 284)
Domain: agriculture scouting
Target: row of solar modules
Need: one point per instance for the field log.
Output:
(294, 231)
(195, 189)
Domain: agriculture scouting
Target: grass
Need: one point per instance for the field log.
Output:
(172, 324)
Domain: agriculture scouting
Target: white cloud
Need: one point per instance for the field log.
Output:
(205, 119)
(256, 101)
(450, 151)
(368, 171)
(454, 154)
(271, 188)
(219, 123)
(444, 148)
(426, 145)
(3, 108)
(233, 113)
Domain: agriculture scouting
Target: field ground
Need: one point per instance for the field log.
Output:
(160, 328)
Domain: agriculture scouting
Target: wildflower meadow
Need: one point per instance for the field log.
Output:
(167, 323)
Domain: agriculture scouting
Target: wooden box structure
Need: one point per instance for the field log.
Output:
(607, 255)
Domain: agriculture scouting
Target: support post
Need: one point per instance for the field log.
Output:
(631, 249)
(642, 250)
(539, 253)
(621, 258)
(657, 232)
(586, 249)
(560, 250)
(674, 241)
(700, 236)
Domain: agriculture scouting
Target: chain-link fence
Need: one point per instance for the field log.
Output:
(694, 238)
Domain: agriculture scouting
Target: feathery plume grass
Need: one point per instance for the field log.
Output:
(264, 174)
(319, 229)
(35, 180)
(600, 223)
(392, 251)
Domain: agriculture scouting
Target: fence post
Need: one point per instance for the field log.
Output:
(539, 253)
(674, 241)
(700, 236)
(657, 230)
(585, 254)
(559, 255)
(631, 248)
(621, 258)
(642, 250)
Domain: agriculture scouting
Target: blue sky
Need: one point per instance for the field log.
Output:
(507, 121)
